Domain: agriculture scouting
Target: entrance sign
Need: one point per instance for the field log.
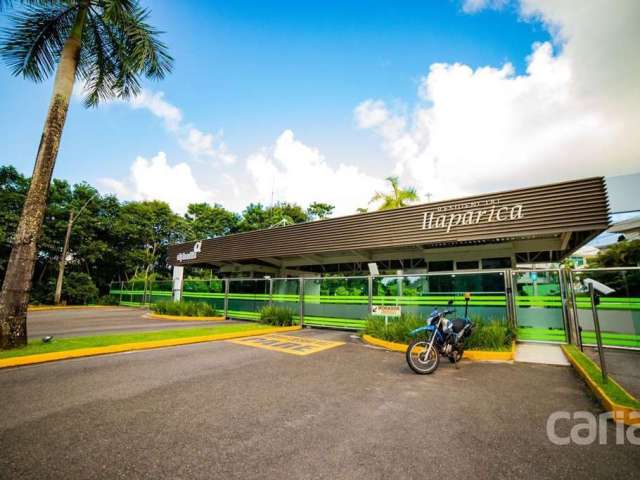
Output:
(386, 310)
(192, 255)
(473, 213)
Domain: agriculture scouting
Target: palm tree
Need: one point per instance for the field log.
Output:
(397, 197)
(108, 45)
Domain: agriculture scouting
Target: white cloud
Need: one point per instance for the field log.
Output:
(197, 143)
(158, 106)
(155, 179)
(572, 114)
(472, 6)
(295, 172)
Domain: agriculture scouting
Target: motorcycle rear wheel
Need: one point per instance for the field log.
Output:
(422, 359)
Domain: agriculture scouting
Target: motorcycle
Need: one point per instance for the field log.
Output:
(439, 337)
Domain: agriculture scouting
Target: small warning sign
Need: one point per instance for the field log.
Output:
(386, 310)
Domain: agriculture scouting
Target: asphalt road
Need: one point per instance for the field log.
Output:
(225, 411)
(92, 321)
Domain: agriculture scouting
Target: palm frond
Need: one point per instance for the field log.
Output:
(7, 4)
(31, 46)
(118, 48)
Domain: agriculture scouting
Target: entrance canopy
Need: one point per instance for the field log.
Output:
(496, 230)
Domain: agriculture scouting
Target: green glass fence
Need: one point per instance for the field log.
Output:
(618, 312)
(343, 302)
(208, 291)
(134, 293)
(420, 294)
(538, 306)
(247, 297)
(285, 292)
(336, 302)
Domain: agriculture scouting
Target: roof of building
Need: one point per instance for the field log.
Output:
(566, 214)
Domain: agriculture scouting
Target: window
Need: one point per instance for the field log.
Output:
(468, 265)
(441, 266)
(502, 262)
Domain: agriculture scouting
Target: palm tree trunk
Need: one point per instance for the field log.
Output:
(14, 297)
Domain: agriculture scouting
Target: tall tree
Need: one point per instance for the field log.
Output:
(208, 221)
(397, 197)
(108, 44)
(318, 210)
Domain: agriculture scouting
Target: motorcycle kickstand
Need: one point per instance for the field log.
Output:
(455, 361)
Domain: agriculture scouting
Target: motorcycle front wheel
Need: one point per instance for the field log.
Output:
(421, 358)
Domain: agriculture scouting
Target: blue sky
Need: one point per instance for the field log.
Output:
(246, 72)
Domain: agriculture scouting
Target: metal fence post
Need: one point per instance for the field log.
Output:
(510, 297)
(301, 296)
(270, 291)
(226, 298)
(596, 325)
(370, 289)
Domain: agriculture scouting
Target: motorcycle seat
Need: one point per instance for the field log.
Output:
(458, 324)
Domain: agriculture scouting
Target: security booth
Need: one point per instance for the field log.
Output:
(425, 255)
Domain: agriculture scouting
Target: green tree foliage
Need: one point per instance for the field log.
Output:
(257, 217)
(79, 288)
(209, 221)
(397, 197)
(319, 210)
(119, 241)
(621, 254)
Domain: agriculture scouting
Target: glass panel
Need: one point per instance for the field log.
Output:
(247, 297)
(338, 302)
(618, 312)
(496, 263)
(539, 306)
(286, 293)
(420, 294)
(441, 266)
(468, 265)
(210, 291)
(160, 291)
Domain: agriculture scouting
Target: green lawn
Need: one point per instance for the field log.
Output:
(613, 391)
(61, 344)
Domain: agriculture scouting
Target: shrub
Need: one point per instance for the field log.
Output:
(108, 300)
(279, 316)
(486, 336)
(184, 309)
(78, 288)
(397, 329)
(490, 336)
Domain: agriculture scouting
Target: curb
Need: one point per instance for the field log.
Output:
(180, 318)
(474, 355)
(621, 414)
(67, 307)
(127, 347)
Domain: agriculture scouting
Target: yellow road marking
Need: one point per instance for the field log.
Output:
(288, 344)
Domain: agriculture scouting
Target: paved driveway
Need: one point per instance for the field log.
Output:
(223, 410)
(91, 321)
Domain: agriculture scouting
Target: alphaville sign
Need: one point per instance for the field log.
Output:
(471, 213)
(192, 255)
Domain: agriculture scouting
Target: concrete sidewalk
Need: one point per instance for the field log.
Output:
(542, 353)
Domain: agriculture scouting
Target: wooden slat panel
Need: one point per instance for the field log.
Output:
(579, 205)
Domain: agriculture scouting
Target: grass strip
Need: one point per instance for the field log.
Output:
(614, 391)
(62, 344)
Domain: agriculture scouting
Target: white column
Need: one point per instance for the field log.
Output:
(178, 274)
